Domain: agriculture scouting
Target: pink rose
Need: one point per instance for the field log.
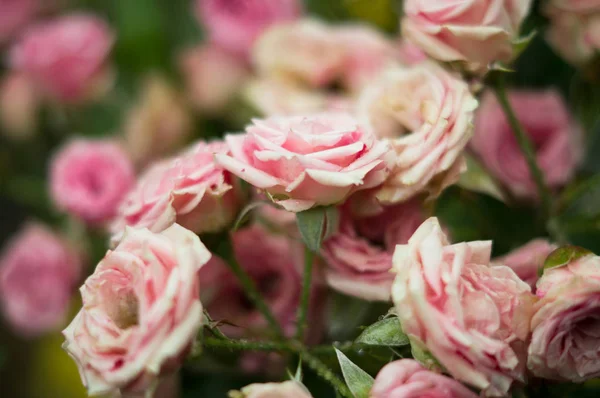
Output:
(359, 256)
(19, 105)
(14, 15)
(476, 32)
(574, 28)
(213, 77)
(287, 389)
(189, 189)
(471, 317)
(427, 114)
(307, 52)
(89, 179)
(141, 311)
(410, 54)
(564, 344)
(551, 129)
(235, 25)
(406, 378)
(158, 123)
(38, 273)
(303, 162)
(527, 260)
(66, 56)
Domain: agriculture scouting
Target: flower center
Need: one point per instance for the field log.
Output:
(124, 310)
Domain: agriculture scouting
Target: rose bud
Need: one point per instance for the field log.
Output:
(287, 389)
(303, 162)
(236, 25)
(19, 105)
(38, 273)
(427, 114)
(189, 189)
(141, 311)
(471, 317)
(66, 56)
(527, 260)
(407, 378)
(564, 344)
(89, 179)
(474, 33)
(551, 129)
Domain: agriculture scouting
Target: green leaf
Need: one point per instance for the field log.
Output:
(245, 212)
(359, 382)
(387, 332)
(477, 179)
(522, 43)
(563, 256)
(423, 356)
(315, 224)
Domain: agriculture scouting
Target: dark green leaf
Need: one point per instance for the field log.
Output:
(386, 332)
(359, 382)
(313, 223)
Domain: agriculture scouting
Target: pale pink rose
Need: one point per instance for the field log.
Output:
(67, 56)
(427, 114)
(307, 52)
(574, 30)
(287, 389)
(307, 161)
(235, 25)
(553, 133)
(273, 97)
(189, 189)
(410, 54)
(141, 311)
(471, 317)
(38, 273)
(90, 178)
(407, 378)
(14, 15)
(564, 344)
(158, 123)
(476, 32)
(527, 260)
(367, 53)
(19, 105)
(213, 77)
(358, 257)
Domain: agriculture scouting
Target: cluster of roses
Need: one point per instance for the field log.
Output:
(352, 120)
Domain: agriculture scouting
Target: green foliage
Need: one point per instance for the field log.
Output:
(387, 332)
(358, 381)
(317, 224)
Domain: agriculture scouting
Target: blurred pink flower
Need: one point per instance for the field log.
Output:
(67, 56)
(14, 15)
(189, 189)
(19, 105)
(527, 260)
(236, 24)
(476, 33)
(213, 77)
(307, 161)
(564, 344)
(90, 178)
(406, 378)
(410, 54)
(358, 258)
(141, 311)
(287, 389)
(551, 129)
(471, 317)
(38, 274)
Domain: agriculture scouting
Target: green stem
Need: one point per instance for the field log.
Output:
(325, 373)
(214, 329)
(305, 298)
(247, 345)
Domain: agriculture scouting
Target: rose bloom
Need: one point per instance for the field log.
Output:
(574, 30)
(158, 123)
(564, 344)
(67, 56)
(14, 14)
(427, 114)
(527, 260)
(287, 389)
(235, 25)
(471, 317)
(141, 311)
(314, 56)
(358, 257)
(410, 54)
(407, 378)
(307, 161)
(213, 77)
(189, 189)
(476, 33)
(19, 105)
(38, 273)
(90, 178)
(553, 133)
